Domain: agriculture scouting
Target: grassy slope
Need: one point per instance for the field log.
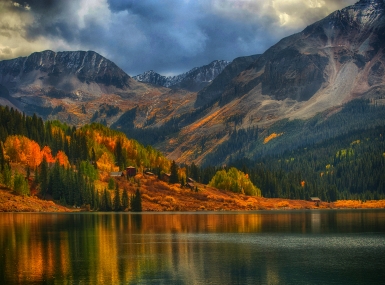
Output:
(9, 202)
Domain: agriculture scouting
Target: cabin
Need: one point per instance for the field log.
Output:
(131, 171)
(149, 173)
(166, 177)
(191, 186)
(116, 174)
(189, 179)
(316, 200)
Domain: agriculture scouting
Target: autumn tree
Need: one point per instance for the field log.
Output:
(235, 181)
(34, 156)
(47, 154)
(62, 158)
(106, 162)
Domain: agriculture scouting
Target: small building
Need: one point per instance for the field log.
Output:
(166, 177)
(189, 179)
(131, 171)
(190, 185)
(149, 173)
(116, 174)
(316, 200)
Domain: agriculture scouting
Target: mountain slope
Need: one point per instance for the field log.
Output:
(328, 64)
(193, 80)
(79, 87)
(213, 90)
(331, 62)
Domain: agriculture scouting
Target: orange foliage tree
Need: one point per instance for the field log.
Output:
(34, 156)
(62, 158)
(20, 149)
(47, 153)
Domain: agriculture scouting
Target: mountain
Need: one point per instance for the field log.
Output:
(77, 87)
(193, 80)
(329, 63)
(154, 78)
(297, 90)
(65, 71)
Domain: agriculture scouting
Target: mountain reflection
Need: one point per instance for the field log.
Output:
(109, 248)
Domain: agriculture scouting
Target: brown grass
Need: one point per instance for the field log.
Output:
(9, 202)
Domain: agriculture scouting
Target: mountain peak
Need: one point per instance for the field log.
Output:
(86, 66)
(192, 80)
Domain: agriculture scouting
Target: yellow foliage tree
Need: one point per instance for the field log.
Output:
(106, 162)
(235, 181)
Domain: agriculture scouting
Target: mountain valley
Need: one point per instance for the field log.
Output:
(305, 80)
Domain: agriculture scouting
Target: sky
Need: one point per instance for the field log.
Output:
(167, 36)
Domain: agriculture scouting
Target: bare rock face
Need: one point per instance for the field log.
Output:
(345, 48)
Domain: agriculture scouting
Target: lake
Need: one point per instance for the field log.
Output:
(269, 247)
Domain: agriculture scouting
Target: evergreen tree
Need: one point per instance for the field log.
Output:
(120, 159)
(174, 173)
(107, 198)
(2, 158)
(117, 199)
(7, 176)
(136, 202)
(43, 177)
(20, 185)
(111, 184)
(125, 199)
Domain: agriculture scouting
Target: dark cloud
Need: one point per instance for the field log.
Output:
(169, 36)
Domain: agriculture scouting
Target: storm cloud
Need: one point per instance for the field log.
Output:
(169, 36)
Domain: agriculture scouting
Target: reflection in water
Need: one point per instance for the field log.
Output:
(229, 248)
(316, 222)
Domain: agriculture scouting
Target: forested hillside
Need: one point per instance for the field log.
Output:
(286, 135)
(350, 166)
(63, 162)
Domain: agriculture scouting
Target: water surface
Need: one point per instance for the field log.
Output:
(289, 247)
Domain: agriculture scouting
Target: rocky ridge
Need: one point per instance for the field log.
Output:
(193, 80)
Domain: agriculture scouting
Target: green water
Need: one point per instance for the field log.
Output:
(289, 247)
